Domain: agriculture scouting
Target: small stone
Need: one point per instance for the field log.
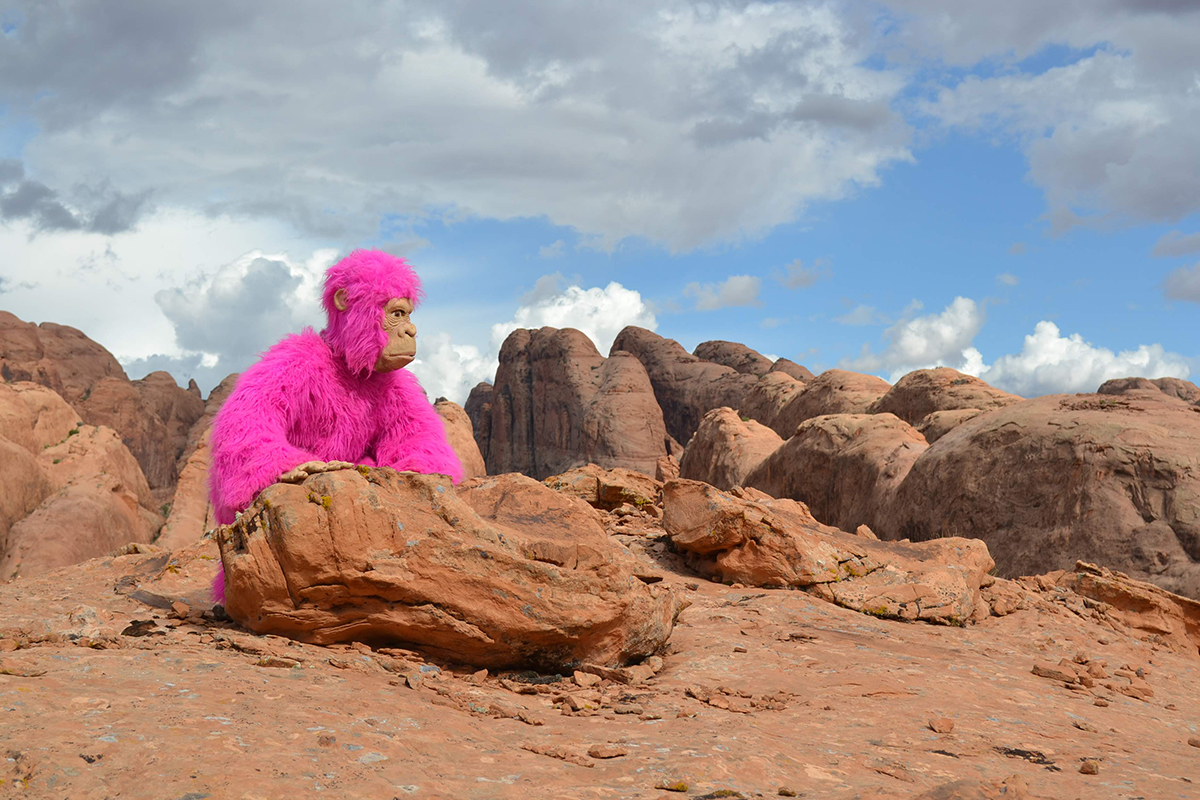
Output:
(325, 740)
(1084, 726)
(607, 751)
(277, 661)
(478, 677)
(628, 708)
(941, 725)
(1089, 767)
(412, 680)
(1054, 672)
(585, 679)
(785, 791)
(672, 786)
(740, 649)
(1194, 742)
(8, 645)
(180, 609)
(691, 586)
(655, 663)
(737, 586)
(1100, 701)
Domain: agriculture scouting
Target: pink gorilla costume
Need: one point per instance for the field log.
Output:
(318, 397)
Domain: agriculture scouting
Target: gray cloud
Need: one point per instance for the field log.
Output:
(330, 118)
(100, 209)
(1183, 284)
(1176, 244)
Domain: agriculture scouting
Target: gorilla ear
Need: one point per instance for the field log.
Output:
(339, 300)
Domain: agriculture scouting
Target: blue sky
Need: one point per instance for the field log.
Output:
(879, 187)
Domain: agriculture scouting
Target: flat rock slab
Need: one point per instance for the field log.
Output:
(381, 556)
(748, 537)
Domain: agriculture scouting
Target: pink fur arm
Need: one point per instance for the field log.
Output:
(415, 438)
(249, 435)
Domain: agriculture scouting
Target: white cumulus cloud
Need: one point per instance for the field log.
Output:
(943, 339)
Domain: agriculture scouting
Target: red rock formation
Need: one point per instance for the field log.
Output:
(685, 386)
(56, 356)
(116, 403)
(727, 448)
(479, 409)
(398, 557)
(789, 367)
(732, 354)
(24, 486)
(33, 416)
(1104, 478)
(937, 424)
(1186, 391)
(845, 467)
(925, 391)
(749, 538)
(765, 400)
(834, 391)
(179, 409)
(558, 403)
(458, 431)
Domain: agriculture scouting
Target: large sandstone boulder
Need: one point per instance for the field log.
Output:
(749, 538)
(85, 519)
(23, 486)
(727, 448)
(925, 391)
(557, 404)
(766, 399)
(685, 386)
(834, 391)
(458, 431)
(1186, 391)
(117, 403)
(1113, 480)
(177, 408)
(57, 356)
(33, 416)
(732, 354)
(479, 409)
(845, 467)
(789, 367)
(92, 451)
(937, 424)
(381, 556)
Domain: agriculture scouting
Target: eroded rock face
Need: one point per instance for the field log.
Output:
(1186, 391)
(57, 356)
(925, 391)
(24, 487)
(732, 354)
(177, 408)
(93, 451)
(458, 431)
(685, 386)
(387, 556)
(726, 449)
(749, 538)
(117, 404)
(937, 424)
(765, 400)
(845, 467)
(34, 416)
(789, 367)
(558, 404)
(834, 391)
(479, 409)
(1104, 478)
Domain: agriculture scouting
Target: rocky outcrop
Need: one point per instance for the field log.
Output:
(56, 356)
(116, 403)
(834, 391)
(1113, 479)
(93, 451)
(752, 539)
(727, 448)
(24, 487)
(1186, 391)
(845, 467)
(479, 410)
(732, 354)
(178, 409)
(607, 489)
(789, 367)
(937, 424)
(924, 391)
(557, 404)
(33, 416)
(387, 556)
(458, 431)
(767, 398)
(685, 386)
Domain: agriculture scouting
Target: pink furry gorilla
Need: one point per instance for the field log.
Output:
(316, 402)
